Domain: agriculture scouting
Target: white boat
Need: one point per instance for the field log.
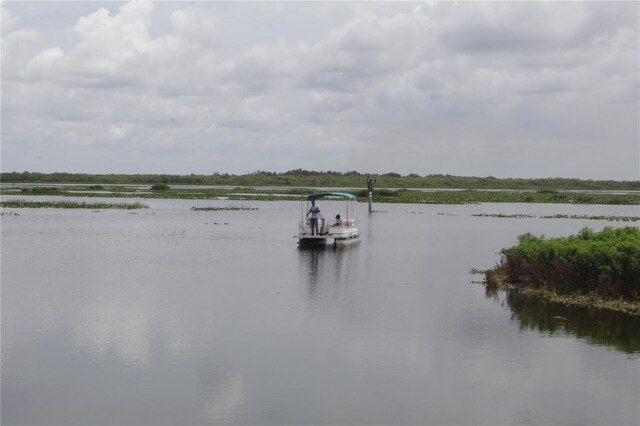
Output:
(343, 230)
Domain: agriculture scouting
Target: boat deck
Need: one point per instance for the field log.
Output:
(338, 240)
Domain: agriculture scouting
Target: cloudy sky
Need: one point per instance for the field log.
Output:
(508, 89)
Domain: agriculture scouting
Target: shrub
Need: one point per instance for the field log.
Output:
(160, 187)
(606, 263)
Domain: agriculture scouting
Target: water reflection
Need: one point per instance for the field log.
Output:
(326, 269)
(233, 324)
(123, 330)
(612, 329)
(311, 260)
(223, 393)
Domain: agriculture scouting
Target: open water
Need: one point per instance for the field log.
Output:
(173, 316)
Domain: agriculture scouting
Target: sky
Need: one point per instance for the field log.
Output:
(504, 89)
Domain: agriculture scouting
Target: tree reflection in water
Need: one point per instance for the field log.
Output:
(598, 327)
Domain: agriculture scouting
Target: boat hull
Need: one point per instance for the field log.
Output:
(343, 242)
(321, 240)
(307, 241)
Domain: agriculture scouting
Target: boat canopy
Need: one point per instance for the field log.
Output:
(331, 194)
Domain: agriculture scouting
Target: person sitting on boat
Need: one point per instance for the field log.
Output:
(315, 215)
(338, 221)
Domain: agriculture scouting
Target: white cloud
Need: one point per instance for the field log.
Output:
(196, 25)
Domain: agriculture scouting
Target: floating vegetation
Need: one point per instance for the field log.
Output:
(227, 208)
(40, 190)
(560, 216)
(596, 269)
(518, 216)
(610, 218)
(23, 204)
(468, 197)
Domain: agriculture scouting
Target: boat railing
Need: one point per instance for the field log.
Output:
(304, 227)
(347, 222)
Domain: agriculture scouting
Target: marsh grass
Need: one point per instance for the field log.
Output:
(160, 187)
(313, 179)
(609, 218)
(466, 197)
(24, 204)
(500, 215)
(227, 208)
(561, 216)
(380, 195)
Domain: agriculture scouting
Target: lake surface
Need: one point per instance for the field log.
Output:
(172, 316)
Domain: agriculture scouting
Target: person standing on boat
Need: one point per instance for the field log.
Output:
(315, 215)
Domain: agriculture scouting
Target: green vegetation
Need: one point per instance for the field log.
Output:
(595, 269)
(609, 218)
(561, 216)
(215, 209)
(500, 215)
(300, 178)
(23, 204)
(68, 190)
(381, 195)
(472, 196)
(42, 191)
(160, 187)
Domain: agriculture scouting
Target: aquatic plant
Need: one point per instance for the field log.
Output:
(23, 204)
(227, 208)
(562, 216)
(587, 267)
(42, 190)
(609, 218)
(500, 215)
(465, 197)
(160, 187)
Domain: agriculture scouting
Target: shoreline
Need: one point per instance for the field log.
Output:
(272, 193)
(495, 280)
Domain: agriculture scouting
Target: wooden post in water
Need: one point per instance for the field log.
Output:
(370, 182)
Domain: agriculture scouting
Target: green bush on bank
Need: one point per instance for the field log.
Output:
(160, 187)
(605, 263)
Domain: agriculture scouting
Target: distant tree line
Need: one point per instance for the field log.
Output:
(311, 178)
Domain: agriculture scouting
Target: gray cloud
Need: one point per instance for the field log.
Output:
(482, 88)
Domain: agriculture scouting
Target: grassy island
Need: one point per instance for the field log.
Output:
(594, 269)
